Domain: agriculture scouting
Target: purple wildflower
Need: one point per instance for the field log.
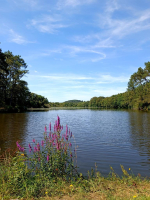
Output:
(42, 143)
(66, 129)
(35, 149)
(70, 145)
(19, 147)
(47, 157)
(38, 147)
(50, 126)
(45, 129)
(30, 148)
(33, 140)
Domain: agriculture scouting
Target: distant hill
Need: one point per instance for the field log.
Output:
(73, 101)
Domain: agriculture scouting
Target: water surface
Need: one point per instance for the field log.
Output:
(105, 137)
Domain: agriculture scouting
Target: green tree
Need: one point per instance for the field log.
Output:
(3, 78)
(17, 69)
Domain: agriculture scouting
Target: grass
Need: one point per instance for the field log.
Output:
(47, 172)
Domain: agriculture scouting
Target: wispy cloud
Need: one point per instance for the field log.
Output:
(72, 3)
(75, 86)
(64, 77)
(24, 4)
(116, 27)
(16, 38)
(48, 23)
(97, 79)
(112, 79)
(88, 51)
(109, 91)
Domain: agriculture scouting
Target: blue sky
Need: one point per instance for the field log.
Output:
(77, 49)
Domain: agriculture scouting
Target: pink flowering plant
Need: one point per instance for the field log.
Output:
(53, 156)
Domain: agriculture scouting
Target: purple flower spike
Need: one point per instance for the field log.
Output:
(47, 157)
(66, 138)
(19, 147)
(30, 148)
(58, 120)
(71, 135)
(17, 144)
(66, 129)
(38, 147)
(42, 143)
(45, 129)
(35, 149)
(70, 145)
(33, 140)
(71, 155)
(50, 126)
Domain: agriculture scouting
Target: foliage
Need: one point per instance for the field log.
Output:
(46, 163)
(14, 92)
(37, 101)
(17, 182)
(3, 77)
(13, 89)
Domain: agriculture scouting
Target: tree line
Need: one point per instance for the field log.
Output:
(136, 97)
(14, 91)
(15, 94)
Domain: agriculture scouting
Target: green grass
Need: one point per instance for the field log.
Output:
(17, 182)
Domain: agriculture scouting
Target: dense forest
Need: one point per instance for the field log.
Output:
(15, 94)
(14, 91)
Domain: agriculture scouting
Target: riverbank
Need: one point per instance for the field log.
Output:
(15, 184)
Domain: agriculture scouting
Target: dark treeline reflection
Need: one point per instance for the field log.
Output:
(12, 128)
(140, 133)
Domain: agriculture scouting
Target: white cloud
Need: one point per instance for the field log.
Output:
(111, 6)
(80, 53)
(110, 79)
(16, 38)
(47, 23)
(72, 3)
(97, 79)
(116, 27)
(109, 91)
(64, 77)
(61, 87)
(33, 4)
(90, 53)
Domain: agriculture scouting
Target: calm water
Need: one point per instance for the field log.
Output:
(105, 137)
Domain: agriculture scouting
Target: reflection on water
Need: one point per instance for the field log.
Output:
(12, 128)
(105, 137)
(140, 134)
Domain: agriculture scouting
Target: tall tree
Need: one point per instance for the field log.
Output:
(3, 78)
(17, 69)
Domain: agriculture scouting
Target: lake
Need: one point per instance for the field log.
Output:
(105, 137)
